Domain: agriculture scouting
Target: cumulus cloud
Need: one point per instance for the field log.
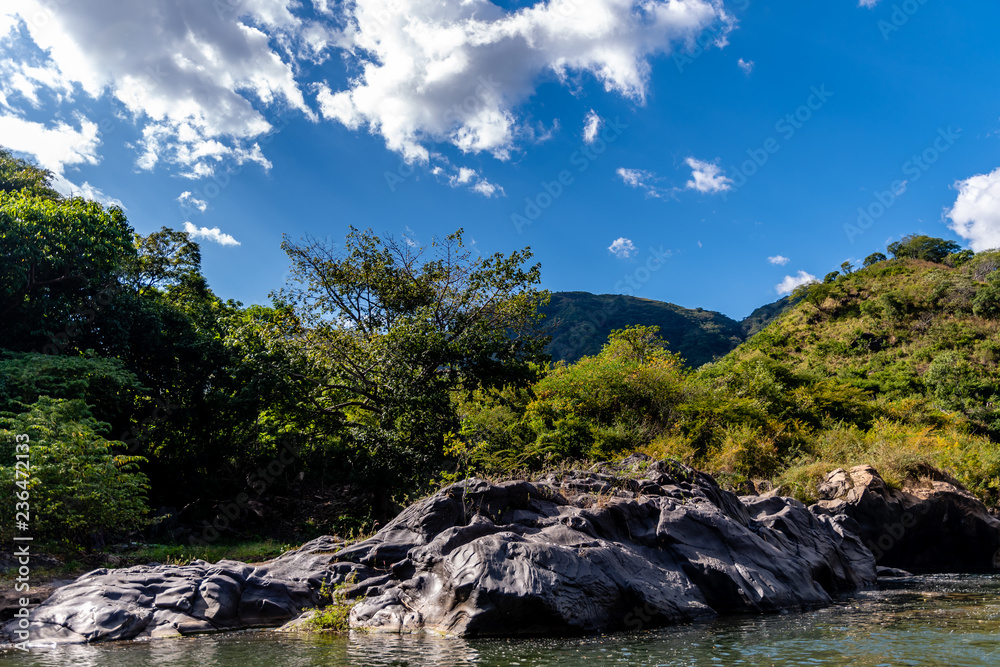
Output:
(205, 82)
(188, 72)
(745, 65)
(790, 283)
(622, 248)
(214, 235)
(976, 213)
(591, 124)
(707, 177)
(487, 189)
(188, 200)
(778, 260)
(455, 72)
(867, 3)
(56, 147)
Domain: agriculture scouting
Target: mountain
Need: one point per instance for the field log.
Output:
(580, 323)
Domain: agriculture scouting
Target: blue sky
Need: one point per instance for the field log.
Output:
(749, 144)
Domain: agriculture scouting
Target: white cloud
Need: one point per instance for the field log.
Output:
(470, 178)
(867, 3)
(707, 177)
(488, 189)
(204, 81)
(55, 147)
(788, 285)
(640, 179)
(592, 123)
(214, 235)
(455, 72)
(779, 260)
(188, 200)
(622, 248)
(745, 65)
(976, 213)
(191, 73)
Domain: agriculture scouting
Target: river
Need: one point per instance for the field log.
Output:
(935, 620)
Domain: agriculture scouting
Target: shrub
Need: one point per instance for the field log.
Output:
(80, 491)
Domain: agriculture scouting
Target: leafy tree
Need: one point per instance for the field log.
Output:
(640, 344)
(164, 259)
(58, 254)
(80, 491)
(17, 174)
(874, 258)
(389, 334)
(847, 268)
(830, 277)
(914, 246)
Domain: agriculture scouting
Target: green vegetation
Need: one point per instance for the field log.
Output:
(894, 364)
(334, 616)
(156, 412)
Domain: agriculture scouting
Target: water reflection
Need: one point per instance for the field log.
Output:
(920, 621)
(376, 650)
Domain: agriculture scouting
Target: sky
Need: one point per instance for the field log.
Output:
(711, 154)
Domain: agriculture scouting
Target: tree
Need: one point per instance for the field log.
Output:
(58, 254)
(389, 334)
(874, 258)
(830, 277)
(847, 268)
(80, 491)
(638, 343)
(923, 247)
(17, 174)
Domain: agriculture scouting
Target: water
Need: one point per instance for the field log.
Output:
(939, 620)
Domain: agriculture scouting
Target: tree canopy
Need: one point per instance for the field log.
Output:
(391, 331)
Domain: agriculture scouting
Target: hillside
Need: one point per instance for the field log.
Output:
(896, 365)
(580, 323)
(898, 329)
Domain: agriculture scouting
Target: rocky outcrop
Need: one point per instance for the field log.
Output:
(151, 601)
(634, 546)
(932, 524)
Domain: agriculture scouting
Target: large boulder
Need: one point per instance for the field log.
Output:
(641, 544)
(590, 552)
(932, 524)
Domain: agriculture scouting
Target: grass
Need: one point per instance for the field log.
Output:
(181, 554)
(335, 616)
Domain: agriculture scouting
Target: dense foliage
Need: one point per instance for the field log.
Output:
(382, 369)
(895, 364)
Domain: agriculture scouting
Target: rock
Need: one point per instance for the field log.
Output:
(892, 572)
(153, 601)
(558, 557)
(620, 547)
(931, 525)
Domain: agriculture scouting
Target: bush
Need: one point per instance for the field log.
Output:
(80, 492)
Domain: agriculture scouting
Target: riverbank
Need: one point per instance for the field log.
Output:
(625, 546)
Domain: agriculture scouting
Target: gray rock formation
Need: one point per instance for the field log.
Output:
(932, 524)
(640, 545)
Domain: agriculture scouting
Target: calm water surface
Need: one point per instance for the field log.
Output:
(940, 620)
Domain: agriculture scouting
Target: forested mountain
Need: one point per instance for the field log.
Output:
(580, 322)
